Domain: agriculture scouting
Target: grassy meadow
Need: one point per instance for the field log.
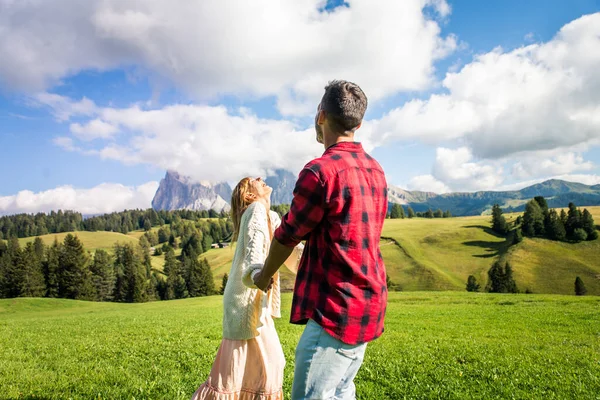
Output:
(450, 345)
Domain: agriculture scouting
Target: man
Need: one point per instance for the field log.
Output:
(339, 205)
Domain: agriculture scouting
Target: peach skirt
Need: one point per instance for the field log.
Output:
(247, 369)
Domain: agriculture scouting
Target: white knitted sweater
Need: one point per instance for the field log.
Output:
(243, 303)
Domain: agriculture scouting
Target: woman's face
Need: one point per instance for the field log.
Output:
(261, 189)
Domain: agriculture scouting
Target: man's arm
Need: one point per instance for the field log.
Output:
(306, 213)
(278, 253)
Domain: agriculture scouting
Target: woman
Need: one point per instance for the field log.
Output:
(250, 361)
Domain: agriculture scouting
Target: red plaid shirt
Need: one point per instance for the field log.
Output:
(339, 205)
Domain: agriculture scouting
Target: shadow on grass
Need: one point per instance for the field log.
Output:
(486, 229)
(493, 249)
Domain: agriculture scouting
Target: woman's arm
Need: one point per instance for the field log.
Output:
(257, 231)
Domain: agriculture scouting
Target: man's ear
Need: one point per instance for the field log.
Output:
(358, 126)
(321, 118)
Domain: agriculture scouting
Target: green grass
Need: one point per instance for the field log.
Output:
(448, 345)
(92, 241)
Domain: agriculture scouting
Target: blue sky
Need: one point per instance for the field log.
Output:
(146, 72)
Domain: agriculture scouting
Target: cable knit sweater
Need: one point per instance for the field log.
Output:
(243, 302)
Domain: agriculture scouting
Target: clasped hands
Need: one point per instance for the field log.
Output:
(262, 281)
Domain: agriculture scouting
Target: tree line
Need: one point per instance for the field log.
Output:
(538, 220)
(397, 212)
(27, 225)
(66, 270)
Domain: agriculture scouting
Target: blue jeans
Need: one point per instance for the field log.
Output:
(325, 367)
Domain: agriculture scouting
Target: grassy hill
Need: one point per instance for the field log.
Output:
(451, 345)
(92, 241)
(438, 254)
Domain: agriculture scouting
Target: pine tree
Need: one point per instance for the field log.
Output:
(200, 280)
(411, 212)
(207, 242)
(563, 217)
(175, 287)
(447, 214)
(74, 281)
(12, 270)
(39, 248)
(517, 236)
(193, 245)
(542, 203)
(588, 225)
(396, 212)
(533, 219)
(5, 268)
(573, 221)
(509, 282)
(579, 235)
(429, 214)
(472, 285)
(580, 289)
(438, 213)
(500, 278)
(554, 226)
(224, 283)
(103, 275)
(163, 234)
(131, 274)
(32, 276)
(498, 220)
(52, 269)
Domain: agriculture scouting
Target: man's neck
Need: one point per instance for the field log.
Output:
(338, 139)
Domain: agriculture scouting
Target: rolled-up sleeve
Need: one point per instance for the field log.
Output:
(306, 211)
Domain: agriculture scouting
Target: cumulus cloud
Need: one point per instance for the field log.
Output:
(215, 47)
(104, 198)
(558, 164)
(427, 183)
(93, 130)
(203, 142)
(538, 97)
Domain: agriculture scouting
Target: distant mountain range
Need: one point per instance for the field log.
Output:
(178, 192)
(558, 193)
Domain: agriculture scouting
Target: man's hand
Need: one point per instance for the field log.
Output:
(263, 282)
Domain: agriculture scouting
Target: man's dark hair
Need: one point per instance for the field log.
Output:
(344, 104)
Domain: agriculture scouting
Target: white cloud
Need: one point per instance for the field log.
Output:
(203, 142)
(104, 198)
(542, 165)
(65, 142)
(63, 108)
(215, 47)
(539, 97)
(93, 130)
(427, 183)
(456, 170)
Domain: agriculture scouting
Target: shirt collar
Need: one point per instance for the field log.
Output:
(352, 147)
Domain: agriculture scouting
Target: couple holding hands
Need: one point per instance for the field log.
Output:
(338, 209)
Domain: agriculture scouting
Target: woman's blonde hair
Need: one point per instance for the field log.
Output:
(242, 196)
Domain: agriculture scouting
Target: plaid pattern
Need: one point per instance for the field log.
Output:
(339, 205)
